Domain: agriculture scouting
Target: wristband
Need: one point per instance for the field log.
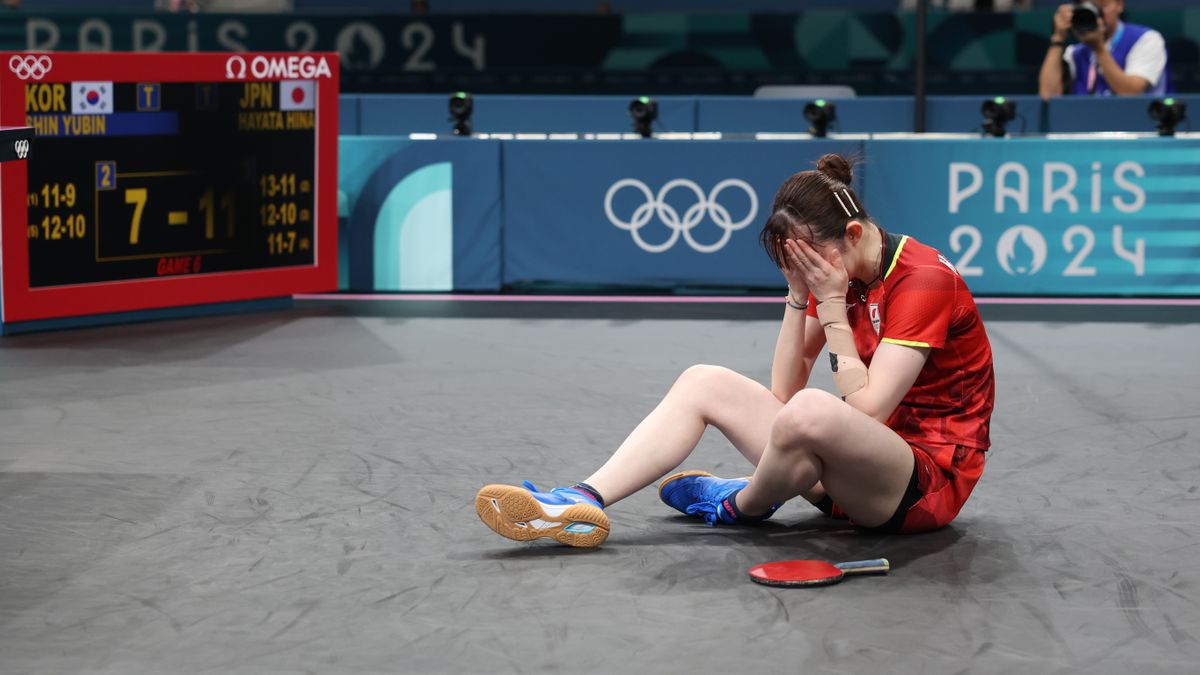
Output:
(1058, 43)
(795, 305)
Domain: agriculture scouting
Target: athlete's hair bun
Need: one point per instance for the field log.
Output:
(836, 167)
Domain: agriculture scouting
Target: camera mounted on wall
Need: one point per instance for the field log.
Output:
(997, 113)
(820, 114)
(644, 111)
(1085, 18)
(461, 105)
(1167, 114)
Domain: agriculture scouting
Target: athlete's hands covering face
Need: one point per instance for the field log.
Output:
(822, 271)
(797, 285)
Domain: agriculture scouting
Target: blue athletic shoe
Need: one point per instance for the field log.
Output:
(565, 515)
(699, 493)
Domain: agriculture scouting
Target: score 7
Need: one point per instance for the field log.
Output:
(137, 197)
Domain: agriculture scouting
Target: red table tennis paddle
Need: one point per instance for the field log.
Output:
(813, 572)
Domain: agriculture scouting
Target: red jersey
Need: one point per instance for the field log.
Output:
(923, 302)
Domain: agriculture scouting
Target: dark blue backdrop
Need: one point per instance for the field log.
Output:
(1017, 216)
(595, 212)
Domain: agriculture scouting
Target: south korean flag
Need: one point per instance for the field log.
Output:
(297, 95)
(91, 98)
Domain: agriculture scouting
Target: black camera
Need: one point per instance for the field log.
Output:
(644, 111)
(997, 112)
(821, 114)
(461, 106)
(1167, 112)
(1085, 18)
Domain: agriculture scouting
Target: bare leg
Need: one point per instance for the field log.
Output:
(864, 465)
(742, 409)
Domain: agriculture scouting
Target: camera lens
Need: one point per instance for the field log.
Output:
(644, 111)
(1085, 18)
(461, 104)
(643, 108)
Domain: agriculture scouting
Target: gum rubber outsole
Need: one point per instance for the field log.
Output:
(513, 512)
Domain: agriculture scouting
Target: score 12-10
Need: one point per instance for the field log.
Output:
(55, 226)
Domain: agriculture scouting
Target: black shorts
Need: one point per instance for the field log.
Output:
(912, 495)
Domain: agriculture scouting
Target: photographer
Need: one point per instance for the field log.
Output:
(1111, 57)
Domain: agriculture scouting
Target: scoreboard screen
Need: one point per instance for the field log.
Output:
(200, 181)
(157, 180)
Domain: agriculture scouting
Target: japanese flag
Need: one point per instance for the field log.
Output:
(91, 98)
(297, 95)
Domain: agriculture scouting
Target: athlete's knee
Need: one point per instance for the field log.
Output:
(703, 378)
(808, 421)
(712, 391)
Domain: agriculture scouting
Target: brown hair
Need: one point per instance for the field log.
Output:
(813, 204)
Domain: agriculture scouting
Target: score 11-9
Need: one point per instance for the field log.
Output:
(55, 226)
(53, 196)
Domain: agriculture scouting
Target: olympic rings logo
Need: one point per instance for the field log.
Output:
(680, 226)
(29, 66)
(21, 148)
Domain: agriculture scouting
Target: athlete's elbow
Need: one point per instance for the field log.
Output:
(878, 410)
(878, 415)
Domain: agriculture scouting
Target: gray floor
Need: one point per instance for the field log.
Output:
(292, 492)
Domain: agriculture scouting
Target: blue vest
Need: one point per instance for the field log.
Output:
(1126, 36)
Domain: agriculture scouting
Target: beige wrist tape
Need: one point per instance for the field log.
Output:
(849, 372)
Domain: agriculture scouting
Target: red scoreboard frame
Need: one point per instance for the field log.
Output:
(23, 303)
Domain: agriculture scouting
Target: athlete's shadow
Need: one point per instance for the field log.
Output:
(681, 551)
(966, 552)
(817, 537)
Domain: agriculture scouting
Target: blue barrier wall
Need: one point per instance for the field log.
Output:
(658, 213)
(1096, 217)
(1071, 113)
(962, 114)
(854, 115)
(875, 114)
(348, 116)
(391, 114)
(402, 114)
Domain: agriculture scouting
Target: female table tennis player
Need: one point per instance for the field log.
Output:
(898, 450)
